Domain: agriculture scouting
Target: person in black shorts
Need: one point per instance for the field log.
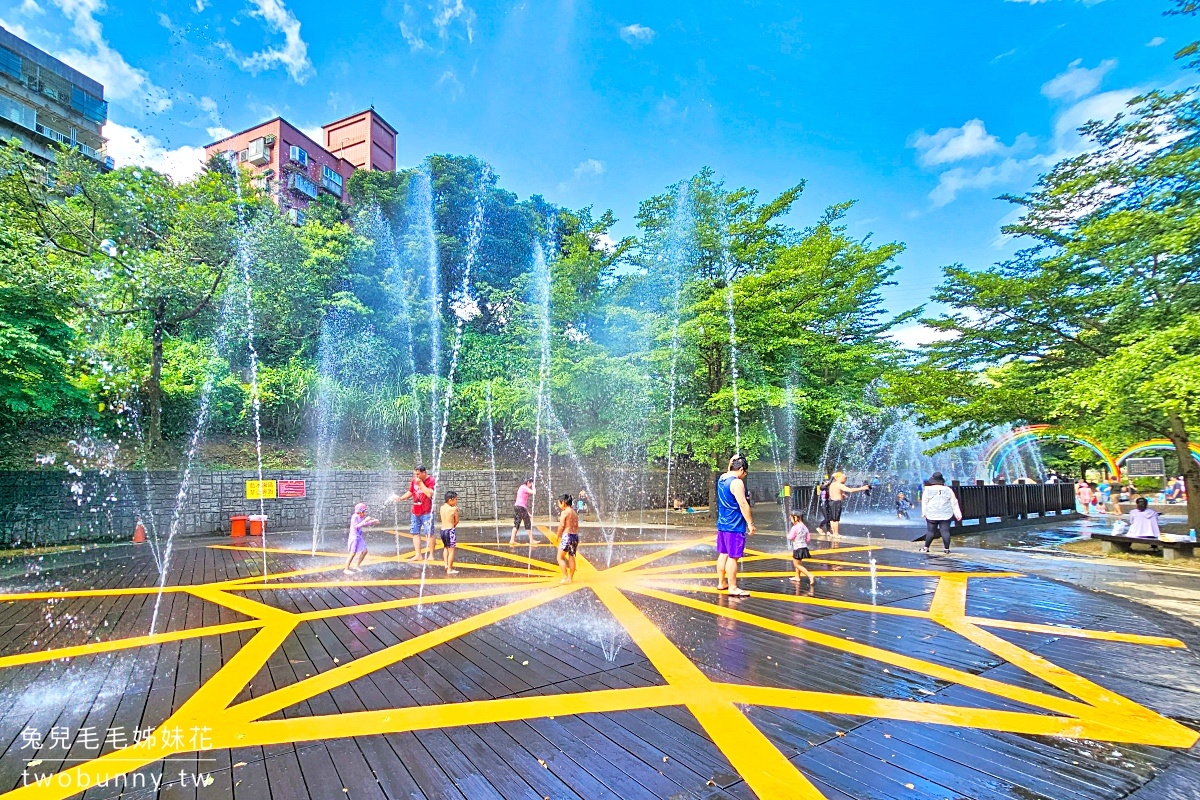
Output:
(568, 537)
(521, 511)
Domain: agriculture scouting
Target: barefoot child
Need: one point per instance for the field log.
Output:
(449, 517)
(356, 544)
(568, 537)
(799, 537)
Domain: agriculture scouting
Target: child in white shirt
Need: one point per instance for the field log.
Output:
(799, 537)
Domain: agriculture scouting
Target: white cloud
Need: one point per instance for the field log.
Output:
(292, 55)
(1103, 106)
(314, 132)
(448, 12)
(953, 181)
(200, 6)
(1156, 41)
(971, 141)
(217, 133)
(955, 144)
(1078, 81)
(911, 337)
(129, 146)
(450, 84)
(636, 34)
(15, 28)
(30, 7)
(122, 83)
(415, 42)
(590, 166)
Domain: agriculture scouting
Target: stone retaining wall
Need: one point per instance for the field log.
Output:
(54, 507)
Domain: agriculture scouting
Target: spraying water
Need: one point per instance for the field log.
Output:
(541, 284)
(326, 424)
(426, 243)
(465, 308)
(492, 459)
(243, 258)
(733, 370)
(681, 223)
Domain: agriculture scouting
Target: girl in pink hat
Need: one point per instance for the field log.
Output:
(356, 544)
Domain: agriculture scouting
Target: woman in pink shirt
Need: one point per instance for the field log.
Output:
(521, 512)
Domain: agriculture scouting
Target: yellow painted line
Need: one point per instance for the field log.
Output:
(947, 608)
(303, 690)
(209, 701)
(354, 584)
(751, 754)
(450, 715)
(132, 590)
(387, 605)
(919, 666)
(672, 549)
(709, 564)
(513, 556)
(287, 551)
(1080, 633)
(914, 711)
(788, 598)
(113, 645)
(243, 605)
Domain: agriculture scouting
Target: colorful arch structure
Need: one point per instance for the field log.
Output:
(1154, 444)
(1002, 446)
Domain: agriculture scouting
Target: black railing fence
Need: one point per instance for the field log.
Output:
(992, 504)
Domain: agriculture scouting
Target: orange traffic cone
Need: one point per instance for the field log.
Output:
(139, 533)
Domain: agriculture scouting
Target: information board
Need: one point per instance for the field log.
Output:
(1152, 467)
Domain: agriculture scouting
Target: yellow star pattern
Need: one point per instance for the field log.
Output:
(1091, 711)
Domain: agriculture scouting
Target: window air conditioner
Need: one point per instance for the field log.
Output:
(258, 153)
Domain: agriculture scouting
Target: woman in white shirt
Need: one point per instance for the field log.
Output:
(938, 506)
(1143, 521)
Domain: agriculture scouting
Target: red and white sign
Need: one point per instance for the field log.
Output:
(290, 489)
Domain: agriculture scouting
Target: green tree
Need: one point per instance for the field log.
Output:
(1093, 326)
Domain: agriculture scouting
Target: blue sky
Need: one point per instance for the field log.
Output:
(922, 111)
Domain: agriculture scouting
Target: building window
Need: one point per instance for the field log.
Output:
(19, 113)
(298, 155)
(10, 63)
(302, 184)
(89, 106)
(331, 181)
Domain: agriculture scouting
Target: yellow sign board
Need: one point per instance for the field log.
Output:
(260, 490)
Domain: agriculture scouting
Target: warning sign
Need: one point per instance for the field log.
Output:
(260, 490)
(290, 489)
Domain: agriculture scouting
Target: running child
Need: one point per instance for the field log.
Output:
(521, 512)
(798, 537)
(568, 537)
(448, 514)
(903, 504)
(356, 543)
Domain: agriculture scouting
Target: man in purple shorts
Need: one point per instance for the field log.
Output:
(733, 525)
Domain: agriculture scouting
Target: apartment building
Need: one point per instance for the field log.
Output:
(294, 170)
(45, 103)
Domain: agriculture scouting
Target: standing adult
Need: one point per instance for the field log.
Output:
(734, 523)
(837, 499)
(939, 505)
(521, 512)
(420, 491)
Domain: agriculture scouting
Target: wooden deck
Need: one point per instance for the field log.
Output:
(637, 681)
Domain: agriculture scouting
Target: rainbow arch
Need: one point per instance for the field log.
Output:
(1002, 446)
(1154, 444)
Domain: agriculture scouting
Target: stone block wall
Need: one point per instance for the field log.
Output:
(54, 507)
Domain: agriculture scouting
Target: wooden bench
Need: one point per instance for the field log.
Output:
(1124, 544)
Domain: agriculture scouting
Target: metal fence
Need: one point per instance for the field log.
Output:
(994, 504)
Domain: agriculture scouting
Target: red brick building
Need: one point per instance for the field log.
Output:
(294, 170)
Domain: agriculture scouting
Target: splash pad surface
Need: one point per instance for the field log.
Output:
(637, 680)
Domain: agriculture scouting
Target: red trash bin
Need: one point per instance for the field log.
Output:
(258, 522)
(237, 526)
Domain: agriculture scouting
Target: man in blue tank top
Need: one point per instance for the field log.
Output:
(733, 524)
